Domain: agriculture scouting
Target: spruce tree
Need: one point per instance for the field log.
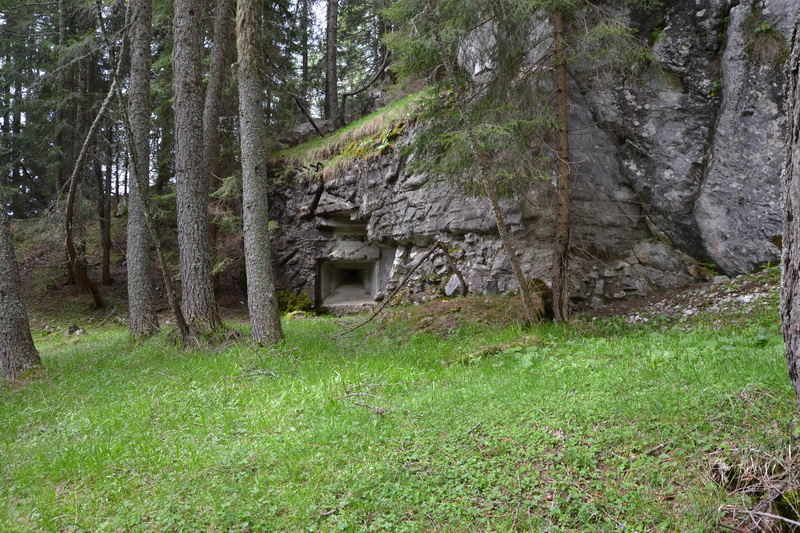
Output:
(261, 297)
(790, 261)
(17, 352)
(197, 289)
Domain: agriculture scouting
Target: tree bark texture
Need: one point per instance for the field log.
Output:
(562, 238)
(216, 80)
(141, 297)
(17, 352)
(332, 110)
(261, 298)
(790, 263)
(194, 245)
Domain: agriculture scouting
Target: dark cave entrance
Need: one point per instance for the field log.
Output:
(346, 282)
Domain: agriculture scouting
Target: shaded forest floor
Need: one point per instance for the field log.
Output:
(668, 414)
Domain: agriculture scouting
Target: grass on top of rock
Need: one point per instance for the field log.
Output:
(447, 316)
(365, 138)
(577, 427)
(763, 41)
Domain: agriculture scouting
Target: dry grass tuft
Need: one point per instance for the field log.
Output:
(339, 152)
(764, 43)
(764, 480)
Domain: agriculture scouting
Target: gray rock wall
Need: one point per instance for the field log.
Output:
(675, 166)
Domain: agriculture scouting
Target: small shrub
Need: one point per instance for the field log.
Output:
(290, 302)
(763, 42)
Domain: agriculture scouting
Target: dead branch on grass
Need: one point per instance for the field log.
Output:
(436, 246)
(352, 392)
(486, 350)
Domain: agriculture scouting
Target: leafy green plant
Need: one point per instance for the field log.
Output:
(764, 43)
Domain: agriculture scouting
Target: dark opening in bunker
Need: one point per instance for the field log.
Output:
(346, 282)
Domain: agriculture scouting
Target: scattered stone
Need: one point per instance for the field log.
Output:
(453, 287)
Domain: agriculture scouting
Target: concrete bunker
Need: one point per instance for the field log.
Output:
(343, 282)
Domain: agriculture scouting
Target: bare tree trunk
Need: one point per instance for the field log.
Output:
(216, 80)
(332, 110)
(790, 293)
(106, 277)
(105, 225)
(562, 237)
(191, 181)
(141, 296)
(223, 33)
(17, 352)
(532, 302)
(75, 179)
(262, 302)
(305, 29)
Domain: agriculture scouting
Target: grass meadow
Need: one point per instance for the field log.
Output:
(593, 426)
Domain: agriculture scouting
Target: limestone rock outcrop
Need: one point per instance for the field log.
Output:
(677, 167)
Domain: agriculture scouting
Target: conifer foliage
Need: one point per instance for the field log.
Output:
(500, 117)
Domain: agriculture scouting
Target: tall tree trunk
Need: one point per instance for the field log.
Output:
(305, 29)
(191, 181)
(105, 224)
(223, 33)
(261, 299)
(532, 302)
(75, 180)
(141, 297)
(16, 130)
(216, 81)
(17, 352)
(790, 293)
(332, 110)
(107, 212)
(562, 237)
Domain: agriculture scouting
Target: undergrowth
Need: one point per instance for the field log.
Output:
(367, 137)
(555, 428)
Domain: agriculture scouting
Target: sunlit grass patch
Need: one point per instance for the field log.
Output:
(558, 427)
(365, 138)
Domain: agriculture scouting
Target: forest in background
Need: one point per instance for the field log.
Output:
(111, 103)
(657, 420)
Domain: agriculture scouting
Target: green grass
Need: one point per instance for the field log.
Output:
(364, 138)
(577, 430)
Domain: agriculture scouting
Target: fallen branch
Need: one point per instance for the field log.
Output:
(486, 350)
(452, 265)
(353, 394)
(366, 85)
(473, 428)
(107, 316)
(259, 372)
(388, 300)
(307, 114)
(776, 517)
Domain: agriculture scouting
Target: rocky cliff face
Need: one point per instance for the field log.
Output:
(673, 170)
